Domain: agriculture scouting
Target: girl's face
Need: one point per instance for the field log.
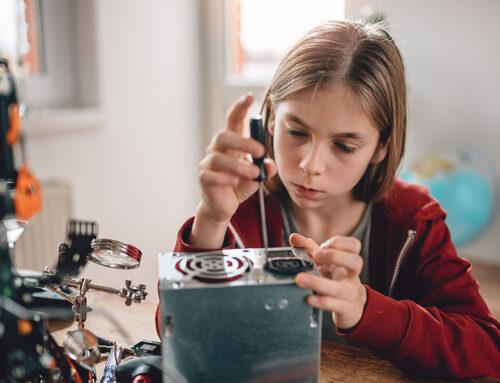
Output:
(323, 143)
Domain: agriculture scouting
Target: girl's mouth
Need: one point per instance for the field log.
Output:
(309, 193)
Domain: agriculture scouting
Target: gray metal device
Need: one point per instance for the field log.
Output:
(238, 316)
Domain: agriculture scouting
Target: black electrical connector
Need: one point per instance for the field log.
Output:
(288, 265)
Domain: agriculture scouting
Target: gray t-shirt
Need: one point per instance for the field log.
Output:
(362, 232)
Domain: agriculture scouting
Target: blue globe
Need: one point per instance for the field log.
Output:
(466, 187)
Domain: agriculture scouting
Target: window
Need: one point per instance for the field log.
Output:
(20, 35)
(259, 32)
(51, 49)
(243, 42)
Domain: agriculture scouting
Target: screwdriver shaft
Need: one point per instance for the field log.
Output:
(263, 217)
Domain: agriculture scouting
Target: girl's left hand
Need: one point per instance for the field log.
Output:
(339, 287)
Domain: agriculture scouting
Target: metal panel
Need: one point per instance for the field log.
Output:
(255, 328)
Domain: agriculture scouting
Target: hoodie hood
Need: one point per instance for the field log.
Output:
(406, 205)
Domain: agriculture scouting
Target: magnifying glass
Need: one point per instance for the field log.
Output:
(114, 254)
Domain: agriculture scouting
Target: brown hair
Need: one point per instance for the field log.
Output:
(364, 58)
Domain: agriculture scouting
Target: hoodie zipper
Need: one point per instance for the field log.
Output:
(409, 241)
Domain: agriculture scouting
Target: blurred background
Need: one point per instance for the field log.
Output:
(121, 97)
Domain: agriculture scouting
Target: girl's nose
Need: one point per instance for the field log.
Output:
(313, 162)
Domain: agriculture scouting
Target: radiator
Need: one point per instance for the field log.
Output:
(38, 245)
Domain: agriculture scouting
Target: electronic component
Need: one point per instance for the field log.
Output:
(226, 316)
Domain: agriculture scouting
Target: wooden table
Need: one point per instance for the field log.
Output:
(340, 363)
(111, 319)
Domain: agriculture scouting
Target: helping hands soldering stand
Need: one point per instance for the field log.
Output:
(82, 239)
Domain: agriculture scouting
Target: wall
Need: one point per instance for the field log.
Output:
(452, 58)
(137, 175)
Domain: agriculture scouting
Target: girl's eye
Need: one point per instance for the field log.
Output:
(295, 133)
(345, 148)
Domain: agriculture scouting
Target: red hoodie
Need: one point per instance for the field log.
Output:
(423, 311)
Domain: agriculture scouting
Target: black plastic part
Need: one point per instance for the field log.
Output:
(42, 300)
(147, 347)
(288, 265)
(7, 166)
(257, 133)
(147, 365)
(73, 256)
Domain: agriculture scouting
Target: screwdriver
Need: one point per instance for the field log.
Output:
(257, 133)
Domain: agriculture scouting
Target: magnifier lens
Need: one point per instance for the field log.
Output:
(115, 254)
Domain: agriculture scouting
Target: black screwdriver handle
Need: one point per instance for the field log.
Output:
(257, 133)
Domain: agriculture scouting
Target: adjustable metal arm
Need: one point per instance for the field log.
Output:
(130, 292)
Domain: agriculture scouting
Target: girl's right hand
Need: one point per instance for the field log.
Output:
(227, 174)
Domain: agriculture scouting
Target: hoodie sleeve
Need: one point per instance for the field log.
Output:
(441, 327)
(182, 244)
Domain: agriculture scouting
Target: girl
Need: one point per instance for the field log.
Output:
(391, 281)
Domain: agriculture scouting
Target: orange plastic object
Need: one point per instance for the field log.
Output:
(28, 196)
(15, 125)
(74, 371)
(24, 327)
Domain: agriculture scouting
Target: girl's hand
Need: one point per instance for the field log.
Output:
(339, 287)
(226, 177)
(226, 172)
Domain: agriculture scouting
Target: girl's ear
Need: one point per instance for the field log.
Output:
(380, 153)
(271, 120)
